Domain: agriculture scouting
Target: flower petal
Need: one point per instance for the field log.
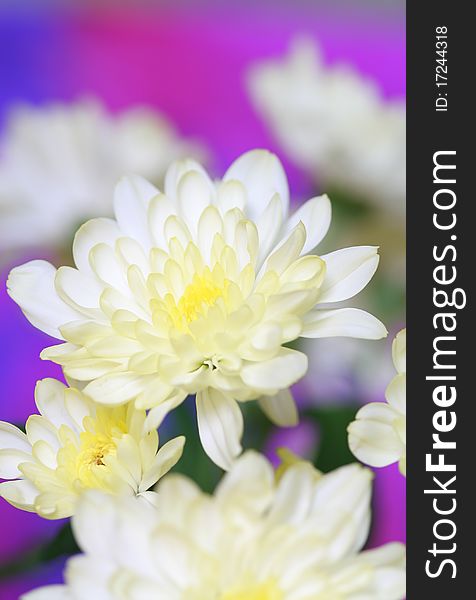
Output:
(269, 224)
(294, 495)
(50, 400)
(10, 459)
(175, 173)
(341, 506)
(399, 351)
(286, 251)
(396, 393)
(117, 388)
(131, 200)
(32, 287)
(347, 272)
(280, 409)
(157, 414)
(21, 494)
(277, 373)
(95, 524)
(80, 290)
(194, 192)
(263, 175)
(316, 216)
(230, 195)
(11, 437)
(388, 565)
(167, 457)
(38, 429)
(93, 232)
(210, 223)
(252, 480)
(348, 322)
(106, 266)
(220, 425)
(372, 438)
(160, 209)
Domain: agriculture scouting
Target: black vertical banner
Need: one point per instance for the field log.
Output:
(441, 233)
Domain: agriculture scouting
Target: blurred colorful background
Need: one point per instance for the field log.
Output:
(93, 89)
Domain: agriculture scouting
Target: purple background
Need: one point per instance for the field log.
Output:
(190, 64)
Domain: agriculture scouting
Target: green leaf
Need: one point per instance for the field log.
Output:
(333, 449)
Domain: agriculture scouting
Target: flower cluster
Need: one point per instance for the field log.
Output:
(295, 538)
(196, 290)
(334, 124)
(71, 156)
(75, 445)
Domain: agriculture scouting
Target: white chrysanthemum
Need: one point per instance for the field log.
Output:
(257, 538)
(75, 445)
(334, 124)
(58, 164)
(378, 435)
(196, 291)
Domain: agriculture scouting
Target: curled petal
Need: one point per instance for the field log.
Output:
(316, 216)
(399, 351)
(21, 493)
(280, 409)
(396, 393)
(165, 459)
(277, 373)
(263, 176)
(175, 173)
(32, 287)
(93, 232)
(116, 388)
(131, 200)
(220, 424)
(372, 437)
(348, 271)
(348, 322)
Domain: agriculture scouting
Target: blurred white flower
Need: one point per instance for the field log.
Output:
(196, 291)
(59, 162)
(74, 445)
(334, 124)
(295, 537)
(345, 370)
(378, 435)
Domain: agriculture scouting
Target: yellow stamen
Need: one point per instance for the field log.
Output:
(199, 295)
(85, 464)
(93, 452)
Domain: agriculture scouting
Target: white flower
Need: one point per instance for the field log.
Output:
(256, 538)
(59, 162)
(75, 445)
(196, 291)
(334, 124)
(378, 435)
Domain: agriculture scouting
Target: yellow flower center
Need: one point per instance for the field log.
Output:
(94, 455)
(199, 295)
(83, 463)
(260, 591)
(93, 451)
